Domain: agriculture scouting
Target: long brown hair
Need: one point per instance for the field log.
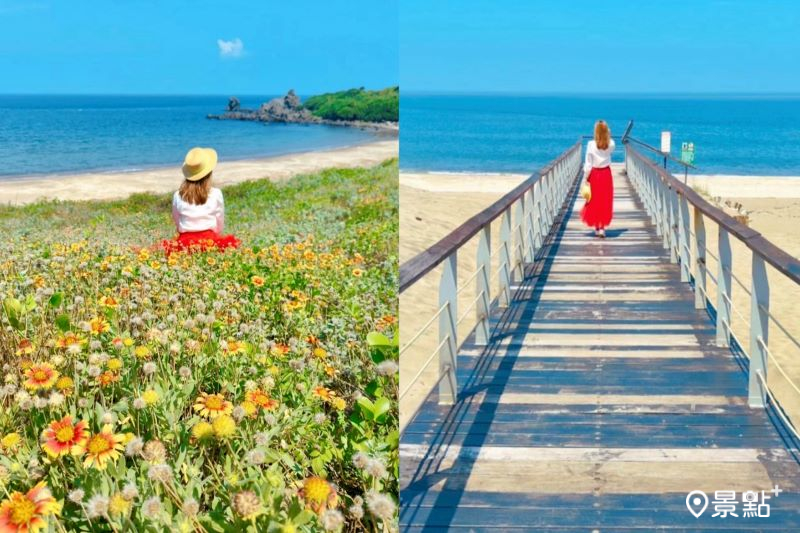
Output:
(602, 135)
(196, 192)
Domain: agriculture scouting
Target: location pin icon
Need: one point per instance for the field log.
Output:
(697, 501)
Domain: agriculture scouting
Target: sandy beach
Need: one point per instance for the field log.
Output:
(433, 204)
(107, 185)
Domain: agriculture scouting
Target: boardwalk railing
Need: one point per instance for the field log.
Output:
(668, 202)
(534, 204)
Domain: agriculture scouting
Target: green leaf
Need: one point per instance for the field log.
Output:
(382, 406)
(56, 299)
(62, 322)
(378, 339)
(13, 310)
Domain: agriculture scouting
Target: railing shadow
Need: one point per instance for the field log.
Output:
(428, 473)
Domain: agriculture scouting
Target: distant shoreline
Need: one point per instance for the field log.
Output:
(4, 178)
(104, 185)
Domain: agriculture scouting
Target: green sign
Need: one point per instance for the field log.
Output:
(687, 153)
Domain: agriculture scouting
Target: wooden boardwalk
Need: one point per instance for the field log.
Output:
(601, 402)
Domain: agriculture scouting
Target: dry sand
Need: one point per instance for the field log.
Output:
(433, 204)
(106, 185)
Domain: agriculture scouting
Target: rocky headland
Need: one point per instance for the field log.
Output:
(288, 109)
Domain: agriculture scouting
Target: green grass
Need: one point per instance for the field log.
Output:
(357, 104)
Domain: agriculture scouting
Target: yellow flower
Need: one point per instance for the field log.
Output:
(249, 408)
(127, 341)
(202, 431)
(258, 281)
(150, 397)
(11, 441)
(339, 403)
(114, 364)
(142, 352)
(224, 426)
(357, 272)
(118, 505)
(65, 384)
(212, 405)
(320, 352)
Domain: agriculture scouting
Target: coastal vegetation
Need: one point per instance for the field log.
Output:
(357, 104)
(246, 390)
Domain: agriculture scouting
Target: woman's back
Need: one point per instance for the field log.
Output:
(199, 217)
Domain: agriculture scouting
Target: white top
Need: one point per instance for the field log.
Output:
(189, 217)
(597, 158)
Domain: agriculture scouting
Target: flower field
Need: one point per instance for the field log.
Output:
(246, 390)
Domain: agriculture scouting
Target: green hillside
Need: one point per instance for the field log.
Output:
(357, 104)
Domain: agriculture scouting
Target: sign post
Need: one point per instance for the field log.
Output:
(687, 156)
(666, 142)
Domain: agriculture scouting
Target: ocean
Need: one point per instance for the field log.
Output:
(742, 135)
(70, 134)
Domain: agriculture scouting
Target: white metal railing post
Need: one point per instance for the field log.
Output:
(759, 332)
(683, 236)
(724, 288)
(448, 387)
(536, 193)
(530, 249)
(673, 225)
(504, 276)
(699, 246)
(482, 287)
(519, 240)
(664, 207)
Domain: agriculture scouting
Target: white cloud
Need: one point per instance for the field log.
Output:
(234, 48)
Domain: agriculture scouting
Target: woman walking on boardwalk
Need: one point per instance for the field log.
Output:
(598, 210)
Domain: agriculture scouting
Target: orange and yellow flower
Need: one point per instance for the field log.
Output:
(27, 513)
(107, 378)
(40, 376)
(108, 301)
(100, 448)
(99, 325)
(61, 435)
(322, 392)
(258, 281)
(261, 399)
(70, 339)
(25, 347)
(212, 405)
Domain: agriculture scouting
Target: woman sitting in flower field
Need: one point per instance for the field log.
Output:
(198, 209)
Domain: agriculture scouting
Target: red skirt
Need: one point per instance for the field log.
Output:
(199, 241)
(599, 209)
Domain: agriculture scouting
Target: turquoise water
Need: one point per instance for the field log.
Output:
(732, 134)
(62, 134)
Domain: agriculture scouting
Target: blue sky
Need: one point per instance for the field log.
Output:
(580, 46)
(196, 47)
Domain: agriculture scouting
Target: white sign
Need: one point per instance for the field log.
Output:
(666, 140)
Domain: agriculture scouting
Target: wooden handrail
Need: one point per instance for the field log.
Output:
(772, 254)
(415, 268)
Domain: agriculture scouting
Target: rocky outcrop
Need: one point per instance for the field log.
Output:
(286, 109)
(289, 109)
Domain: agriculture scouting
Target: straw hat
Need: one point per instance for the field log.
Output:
(199, 163)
